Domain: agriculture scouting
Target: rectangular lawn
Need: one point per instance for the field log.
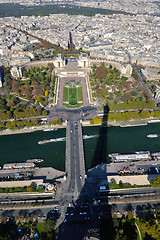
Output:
(73, 96)
(80, 94)
(65, 94)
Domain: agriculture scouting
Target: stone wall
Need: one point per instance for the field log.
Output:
(36, 64)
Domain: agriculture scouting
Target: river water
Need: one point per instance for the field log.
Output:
(20, 147)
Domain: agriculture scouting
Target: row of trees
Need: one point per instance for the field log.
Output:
(132, 105)
(96, 120)
(22, 113)
(15, 125)
(21, 189)
(126, 116)
(56, 122)
(53, 86)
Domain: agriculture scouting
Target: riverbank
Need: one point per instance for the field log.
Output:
(29, 130)
(131, 123)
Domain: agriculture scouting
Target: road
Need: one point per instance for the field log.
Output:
(133, 191)
(136, 206)
(64, 113)
(24, 196)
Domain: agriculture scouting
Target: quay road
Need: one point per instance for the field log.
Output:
(6, 197)
(136, 206)
(133, 191)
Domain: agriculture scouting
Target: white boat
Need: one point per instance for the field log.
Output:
(47, 141)
(85, 136)
(50, 129)
(35, 160)
(152, 135)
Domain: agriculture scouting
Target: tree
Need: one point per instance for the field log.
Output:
(48, 229)
(127, 96)
(3, 103)
(46, 93)
(10, 103)
(2, 126)
(23, 90)
(34, 122)
(101, 72)
(44, 113)
(15, 87)
(39, 99)
(59, 122)
(51, 66)
(148, 237)
(30, 189)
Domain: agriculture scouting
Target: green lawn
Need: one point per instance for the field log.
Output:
(73, 106)
(73, 96)
(65, 94)
(80, 94)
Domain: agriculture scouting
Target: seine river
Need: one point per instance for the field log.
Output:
(20, 147)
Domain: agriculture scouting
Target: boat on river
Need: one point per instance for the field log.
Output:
(85, 137)
(137, 156)
(153, 135)
(47, 141)
(50, 129)
(35, 160)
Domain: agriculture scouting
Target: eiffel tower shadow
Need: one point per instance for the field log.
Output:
(100, 155)
(106, 229)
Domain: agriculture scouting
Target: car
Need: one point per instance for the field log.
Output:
(80, 176)
(157, 171)
(121, 197)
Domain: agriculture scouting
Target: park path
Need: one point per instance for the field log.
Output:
(140, 237)
(61, 92)
(84, 90)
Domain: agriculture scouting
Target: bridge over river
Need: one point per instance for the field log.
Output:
(72, 188)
